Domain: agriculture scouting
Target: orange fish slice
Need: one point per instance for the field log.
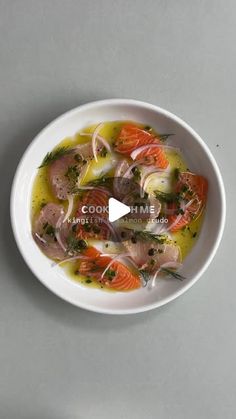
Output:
(196, 193)
(132, 137)
(96, 197)
(117, 277)
(152, 155)
(95, 225)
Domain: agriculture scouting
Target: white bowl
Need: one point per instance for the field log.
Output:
(199, 159)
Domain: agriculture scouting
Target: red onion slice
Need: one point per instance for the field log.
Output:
(160, 229)
(82, 174)
(99, 138)
(175, 222)
(41, 238)
(71, 259)
(110, 227)
(184, 206)
(117, 257)
(70, 207)
(145, 177)
(173, 265)
(189, 203)
(167, 211)
(94, 140)
(139, 150)
(121, 168)
(58, 232)
(132, 166)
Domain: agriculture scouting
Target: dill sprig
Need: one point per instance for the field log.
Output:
(103, 181)
(164, 137)
(173, 273)
(144, 276)
(76, 245)
(146, 235)
(167, 196)
(54, 155)
(72, 174)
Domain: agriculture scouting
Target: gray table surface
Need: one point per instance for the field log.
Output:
(60, 362)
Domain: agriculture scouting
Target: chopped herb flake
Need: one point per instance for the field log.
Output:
(54, 155)
(173, 273)
(76, 245)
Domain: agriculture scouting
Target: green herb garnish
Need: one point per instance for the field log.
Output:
(76, 245)
(87, 227)
(146, 235)
(173, 273)
(179, 211)
(151, 251)
(103, 152)
(54, 155)
(184, 188)
(167, 197)
(176, 173)
(110, 273)
(96, 229)
(145, 276)
(78, 158)
(103, 181)
(49, 229)
(136, 172)
(74, 228)
(72, 174)
(164, 137)
(43, 204)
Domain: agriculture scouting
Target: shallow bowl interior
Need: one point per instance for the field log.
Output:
(199, 160)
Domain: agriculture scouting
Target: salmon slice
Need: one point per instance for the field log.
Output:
(94, 225)
(118, 277)
(154, 156)
(195, 187)
(196, 183)
(132, 137)
(96, 197)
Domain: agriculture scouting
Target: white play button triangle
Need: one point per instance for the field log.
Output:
(117, 209)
